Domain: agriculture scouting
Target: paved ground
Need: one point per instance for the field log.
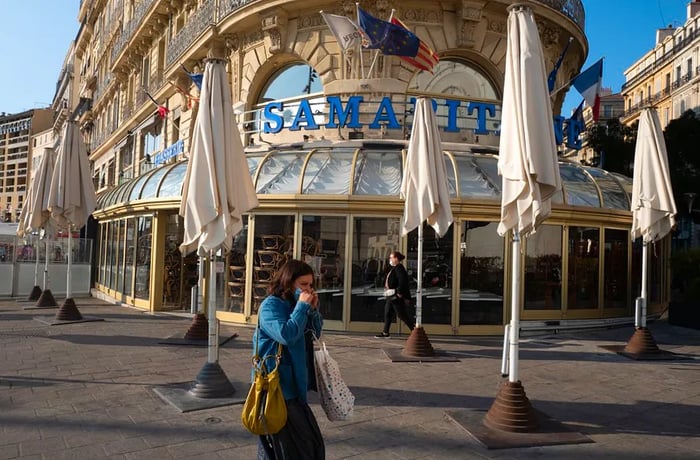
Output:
(84, 391)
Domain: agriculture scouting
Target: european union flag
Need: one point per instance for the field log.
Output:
(389, 38)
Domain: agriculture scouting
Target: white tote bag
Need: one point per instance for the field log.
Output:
(336, 399)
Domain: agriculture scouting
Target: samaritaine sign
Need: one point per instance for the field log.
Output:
(347, 115)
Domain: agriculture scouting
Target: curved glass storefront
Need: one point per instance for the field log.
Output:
(338, 208)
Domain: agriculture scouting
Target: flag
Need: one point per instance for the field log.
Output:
(344, 30)
(195, 77)
(160, 109)
(552, 78)
(588, 84)
(425, 59)
(577, 115)
(389, 38)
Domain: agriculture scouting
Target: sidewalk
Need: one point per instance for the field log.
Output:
(83, 391)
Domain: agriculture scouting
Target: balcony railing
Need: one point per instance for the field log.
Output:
(669, 55)
(130, 28)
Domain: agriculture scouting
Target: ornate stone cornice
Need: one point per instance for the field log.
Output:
(273, 25)
(469, 13)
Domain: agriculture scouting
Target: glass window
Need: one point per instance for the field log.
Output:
(130, 257)
(543, 269)
(455, 79)
(373, 238)
(172, 183)
(273, 244)
(378, 173)
(280, 173)
(614, 196)
(615, 292)
(136, 191)
(143, 257)
(323, 247)
(481, 273)
(473, 182)
(236, 275)
(583, 267)
(151, 187)
(329, 172)
(437, 273)
(295, 80)
(580, 189)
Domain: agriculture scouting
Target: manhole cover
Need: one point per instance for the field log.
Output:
(212, 420)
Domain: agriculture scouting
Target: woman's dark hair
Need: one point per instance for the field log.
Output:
(282, 284)
(398, 255)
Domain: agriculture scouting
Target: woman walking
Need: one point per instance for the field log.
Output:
(284, 316)
(398, 295)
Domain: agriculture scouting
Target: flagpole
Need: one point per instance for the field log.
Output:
(568, 83)
(362, 60)
(376, 54)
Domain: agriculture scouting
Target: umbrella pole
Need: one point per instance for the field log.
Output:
(212, 382)
(512, 411)
(419, 288)
(642, 341)
(46, 298)
(213, 349)
(515, 310)
(418, 343)
(69, 311)
(198, 330)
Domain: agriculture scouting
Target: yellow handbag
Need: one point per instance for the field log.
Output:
(265, 410)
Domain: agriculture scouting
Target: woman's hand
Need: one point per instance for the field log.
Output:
(309, 297)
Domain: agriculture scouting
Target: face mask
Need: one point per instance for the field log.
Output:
(297, 293)
(393, 263)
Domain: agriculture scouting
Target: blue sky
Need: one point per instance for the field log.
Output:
(36, 35)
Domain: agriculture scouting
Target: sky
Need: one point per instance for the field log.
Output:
(37, 33)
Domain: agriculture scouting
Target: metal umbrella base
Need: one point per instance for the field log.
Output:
(35, 294)
(642, 342)
(212, 382)
(46, 300)
(511, 411)
(68, 311)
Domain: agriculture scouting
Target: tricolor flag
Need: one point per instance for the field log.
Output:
(344, 30)
(426, 58)
(552, 77)
(588, 83)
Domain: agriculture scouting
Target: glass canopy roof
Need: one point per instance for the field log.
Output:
(375, 171)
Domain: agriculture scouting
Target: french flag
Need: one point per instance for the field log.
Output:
(588, 83)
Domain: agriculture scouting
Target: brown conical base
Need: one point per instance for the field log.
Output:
(68, 311)
(199, 329)
(35, 294)
(511, 411)
(46, 299)
(418, 344)
(642, 342)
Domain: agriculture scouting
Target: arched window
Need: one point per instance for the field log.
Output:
(455, 79)
(296, 80)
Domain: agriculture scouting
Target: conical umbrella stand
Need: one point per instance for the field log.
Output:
(642, 341)
(46, 299)
(512, 411)
(418, 344)
(199, 329)
(69, 311)
(211, 381)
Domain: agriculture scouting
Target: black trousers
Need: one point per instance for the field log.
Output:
(300, 439)
(396, 305)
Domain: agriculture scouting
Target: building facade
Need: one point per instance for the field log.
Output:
(16, 148)
(325, 133)
(667, 76)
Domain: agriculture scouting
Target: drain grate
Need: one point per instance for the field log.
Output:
(33, 332)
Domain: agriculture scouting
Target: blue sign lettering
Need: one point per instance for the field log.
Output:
(272, 117)
(336, 110)
(389, 118)
(169, 152)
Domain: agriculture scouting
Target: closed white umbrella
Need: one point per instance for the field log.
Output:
(216, 191)
(527, 162)
(424, 189)
(35, 215)
(71, 200)
(653, 207)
